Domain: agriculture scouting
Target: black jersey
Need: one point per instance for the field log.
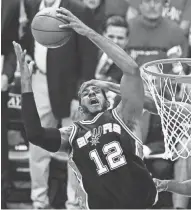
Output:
(105, 152)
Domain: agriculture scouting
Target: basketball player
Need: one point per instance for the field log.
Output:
(183, 188)
(149, 103)
(74, 23)
(106, 146)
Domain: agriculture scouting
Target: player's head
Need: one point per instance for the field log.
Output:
(92, 4)
(152, 9)
(92, 99)
(116, 28)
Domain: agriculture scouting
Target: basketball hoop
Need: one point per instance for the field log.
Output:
(172, 100)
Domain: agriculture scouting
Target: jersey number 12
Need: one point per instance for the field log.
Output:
(114, 157)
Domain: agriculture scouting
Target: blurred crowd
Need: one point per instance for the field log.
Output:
(146, 29)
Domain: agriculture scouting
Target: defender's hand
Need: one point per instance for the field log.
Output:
(74, 113)
(161, 185)
(25, 69)
(73, 22)
(99, 83)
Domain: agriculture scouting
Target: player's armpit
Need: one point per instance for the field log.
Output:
(149, 104)
(66, 133)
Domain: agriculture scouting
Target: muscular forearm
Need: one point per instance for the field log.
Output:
(183, 188)
(49, 139)
(118, 55)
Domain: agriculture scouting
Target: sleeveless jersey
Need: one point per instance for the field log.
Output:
(105, 152)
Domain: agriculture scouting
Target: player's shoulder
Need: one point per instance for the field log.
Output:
(102, 116)
(68, 130)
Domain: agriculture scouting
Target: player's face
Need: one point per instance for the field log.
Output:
(93, 100)
(118, 35)
(152, 9)
(92, 4)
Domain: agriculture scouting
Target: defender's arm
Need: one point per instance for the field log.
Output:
(50, 139)
(183, 188)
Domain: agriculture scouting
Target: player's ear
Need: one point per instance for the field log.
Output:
(108, 104)
(81, 110)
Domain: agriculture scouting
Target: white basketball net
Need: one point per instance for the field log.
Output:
(176, 125)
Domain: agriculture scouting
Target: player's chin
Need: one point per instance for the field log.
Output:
(94, 109)
(153, 16)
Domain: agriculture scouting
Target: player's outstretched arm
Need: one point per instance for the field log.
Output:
(183, 188)
(118, 55)
(131, 87)
(50, 139)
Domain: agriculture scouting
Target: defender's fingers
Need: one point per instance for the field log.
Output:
(90, 82)
(69, 25)
(64, 11)
(17, 51)
(64, 17)
(65, 26)
(20, 48)
(23, 54)
(85, 85)
(31, 67)
(17, 47)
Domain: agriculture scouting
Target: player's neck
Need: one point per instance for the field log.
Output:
(151, 22)
(90, 116)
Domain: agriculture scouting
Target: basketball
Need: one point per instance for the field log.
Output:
(46, 31)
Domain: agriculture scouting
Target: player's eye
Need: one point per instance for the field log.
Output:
(111, 36)
(120, 38)
(84, 94)
(98, 91)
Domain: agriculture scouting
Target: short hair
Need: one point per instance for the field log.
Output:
(116, 20)
(80, 91)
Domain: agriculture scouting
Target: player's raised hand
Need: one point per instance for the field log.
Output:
(73, 22)
(25, 68)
